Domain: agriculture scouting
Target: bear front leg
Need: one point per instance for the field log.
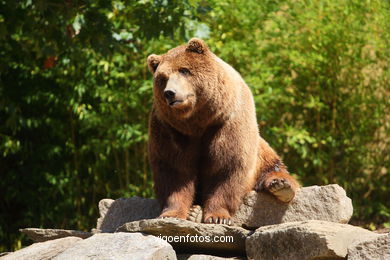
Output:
(172, 161)
(222, 203)
(177, 205)
(175, 193)
(228, 173)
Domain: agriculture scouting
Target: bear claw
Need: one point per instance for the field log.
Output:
(218, 220)
(173, 214)
(164, 217)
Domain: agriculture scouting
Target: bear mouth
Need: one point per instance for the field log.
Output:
(175, 103)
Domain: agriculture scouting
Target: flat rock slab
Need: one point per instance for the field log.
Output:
(119, 246)
(376, 248)
(329, 203)
(191, 237)
(43, 250)
(304, 240)
(41, 235)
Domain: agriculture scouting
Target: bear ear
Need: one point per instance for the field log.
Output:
(153, 62)
(196, 45)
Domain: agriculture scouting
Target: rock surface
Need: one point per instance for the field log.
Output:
(304, 240)
(115, 213)
(382, 231)
(193, 237)
(376, 248)
(206, 257)
(43, 250)
(312, 226)
(119, 246)
(41, 235)
(328, 203)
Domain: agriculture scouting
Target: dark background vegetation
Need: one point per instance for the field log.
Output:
(75, 94)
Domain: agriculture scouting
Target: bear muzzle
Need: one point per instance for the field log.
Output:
(177, 92)
(174, 98)
(170, 96)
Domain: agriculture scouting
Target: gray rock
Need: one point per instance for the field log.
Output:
(206, 257)
(328, 203)
(191, 237)
(376, 248)
(41, 235)
(43, 250)
(311, 239)
(119, 246)
(114, 213)
(382, 231)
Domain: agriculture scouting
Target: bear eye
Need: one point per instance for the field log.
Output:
(184, 71)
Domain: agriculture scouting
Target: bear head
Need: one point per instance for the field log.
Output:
(189, 81)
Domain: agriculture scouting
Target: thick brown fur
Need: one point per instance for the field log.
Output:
(204, 143)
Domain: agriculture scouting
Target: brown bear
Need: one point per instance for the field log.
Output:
(204, 141)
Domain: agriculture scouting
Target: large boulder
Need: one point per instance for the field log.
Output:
(44, 250)
(41, 235)
(115, 213)
(119, 246)
(302, 240)
(375, 248)
(191, 237)
(329, 203)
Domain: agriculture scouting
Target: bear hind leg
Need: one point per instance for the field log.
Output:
(282, 185)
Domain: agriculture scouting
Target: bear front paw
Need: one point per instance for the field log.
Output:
(281, 188)
(173, 213)
(218, 217)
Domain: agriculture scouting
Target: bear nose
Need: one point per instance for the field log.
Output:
(169, 94)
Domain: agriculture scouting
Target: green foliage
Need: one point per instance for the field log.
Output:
(75, 95)
(320, 74)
